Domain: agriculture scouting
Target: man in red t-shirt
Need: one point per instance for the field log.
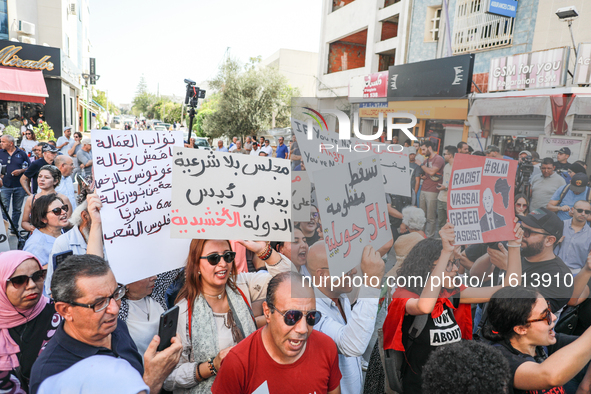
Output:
(432, 166)
(287, 355)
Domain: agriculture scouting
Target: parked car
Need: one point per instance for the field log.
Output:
(160, 128)
(200, 142)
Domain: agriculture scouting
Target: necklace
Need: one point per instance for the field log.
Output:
(219, 296)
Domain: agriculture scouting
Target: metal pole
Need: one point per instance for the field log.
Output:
(572, 37)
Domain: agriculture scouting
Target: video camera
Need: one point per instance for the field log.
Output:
(524, 171)
(193, 93)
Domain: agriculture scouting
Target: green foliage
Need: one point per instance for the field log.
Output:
(143, 99)
(208, 107)
(13, 131)
(248, 97)
(44, 132)
(101, 98)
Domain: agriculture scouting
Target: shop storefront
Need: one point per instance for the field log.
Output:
(529, 106)
(434, 91)
(51, 96)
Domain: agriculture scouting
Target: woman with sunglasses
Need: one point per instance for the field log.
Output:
(441, 296)
(29, 142)
(215, 311)
(49, 216)
(521, 324)
(521, 205)
(48, 179)
(27, 318)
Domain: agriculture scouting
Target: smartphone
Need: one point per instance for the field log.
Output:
(167, 329)
(59, 257)
(80, 179)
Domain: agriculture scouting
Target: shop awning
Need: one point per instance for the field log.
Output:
(511, 106)
(581, 105)
(22, 85)
(100, 106)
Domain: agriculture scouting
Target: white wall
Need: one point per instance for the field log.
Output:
(299, 67)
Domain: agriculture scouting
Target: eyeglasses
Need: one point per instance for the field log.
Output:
(19, 281)
(102, 303)
(579, 210)
(215, 258)
(527, 232)
(547, 317)
(28, 134)
(58, 211)
(314, 216)
(291, 317)
(521, 205)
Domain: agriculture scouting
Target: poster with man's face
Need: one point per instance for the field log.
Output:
(480, 199)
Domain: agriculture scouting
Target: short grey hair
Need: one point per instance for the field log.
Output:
(76, 218)
(9, 138)
(413, 218)
(63, 281)
(86, 141)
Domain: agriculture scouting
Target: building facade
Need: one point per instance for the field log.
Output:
(59, 29)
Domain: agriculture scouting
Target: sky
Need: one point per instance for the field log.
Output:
(169, 41)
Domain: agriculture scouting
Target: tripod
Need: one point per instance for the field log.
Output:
(191, 98)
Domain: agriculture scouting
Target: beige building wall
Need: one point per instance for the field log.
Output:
(299, 67)
(551, 32)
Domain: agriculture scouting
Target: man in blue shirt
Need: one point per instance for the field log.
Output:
(576, 245)
(87, 295)
(16, 162)
(221, 147)
(282, 150)
(577, 191)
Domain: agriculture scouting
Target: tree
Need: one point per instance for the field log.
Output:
(101, 98)
(143, 99)
(248, 98)
(208, 107)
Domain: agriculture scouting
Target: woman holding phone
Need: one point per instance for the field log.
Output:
(215, 309)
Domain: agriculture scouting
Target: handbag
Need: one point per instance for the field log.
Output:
(22, 237)
(568, 321)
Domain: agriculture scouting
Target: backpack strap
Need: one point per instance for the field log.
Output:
(416, 328)
(563, 193)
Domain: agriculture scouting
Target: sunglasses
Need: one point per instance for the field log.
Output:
(215, 258)
(451, 264)
(292, 317)
(547, 317)
(314, 216)
(579, 210)
(102, 303)
(19, 281)
(521, 205)
(527, 232)
(58, 211)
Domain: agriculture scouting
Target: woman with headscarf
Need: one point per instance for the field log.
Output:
(27, 318)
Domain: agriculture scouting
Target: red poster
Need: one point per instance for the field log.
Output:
(480, 199)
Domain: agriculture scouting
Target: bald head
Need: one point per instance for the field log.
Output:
(65, 164)
(317, 258)
(582, 204)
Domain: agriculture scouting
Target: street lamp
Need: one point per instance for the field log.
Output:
(568, 15)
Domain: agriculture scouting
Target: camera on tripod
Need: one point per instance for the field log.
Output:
(524, 171)
(193, 93)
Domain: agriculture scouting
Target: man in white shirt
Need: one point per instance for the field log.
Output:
(65, 164)
(350, 328)
(65, 142)
(267, 148)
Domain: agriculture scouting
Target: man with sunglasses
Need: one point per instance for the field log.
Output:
(88, 297)
(541, 268)
(287, 355)
(351, 328)
(16, 162)
(576, 245)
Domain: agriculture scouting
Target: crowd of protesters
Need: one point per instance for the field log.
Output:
(250, 322)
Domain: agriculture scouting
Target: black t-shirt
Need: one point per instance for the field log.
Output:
(516, 358)
(552, 278)
(33, 171)
(13, 162)
(437, 332)
(312, 239)
(31, 337)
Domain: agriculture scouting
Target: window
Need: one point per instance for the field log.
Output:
(432, 24)
(475, 29)
(3, 20)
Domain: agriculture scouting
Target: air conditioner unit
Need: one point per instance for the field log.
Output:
(26, 28)
(27, 40)
(72, 9)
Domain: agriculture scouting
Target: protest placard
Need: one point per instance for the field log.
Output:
(301, 196)
(353, 211)
(133, 177)
(4, 245)
(219, 195)
(480, 199)
(326, 150)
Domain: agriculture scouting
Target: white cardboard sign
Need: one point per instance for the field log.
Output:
(133, 177)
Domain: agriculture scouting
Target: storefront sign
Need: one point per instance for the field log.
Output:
(542, 69)
(32, 57)
(422, 109)
(583, 65)
(549, 147)
(445, 78)
(506, 8)
(369, 86)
